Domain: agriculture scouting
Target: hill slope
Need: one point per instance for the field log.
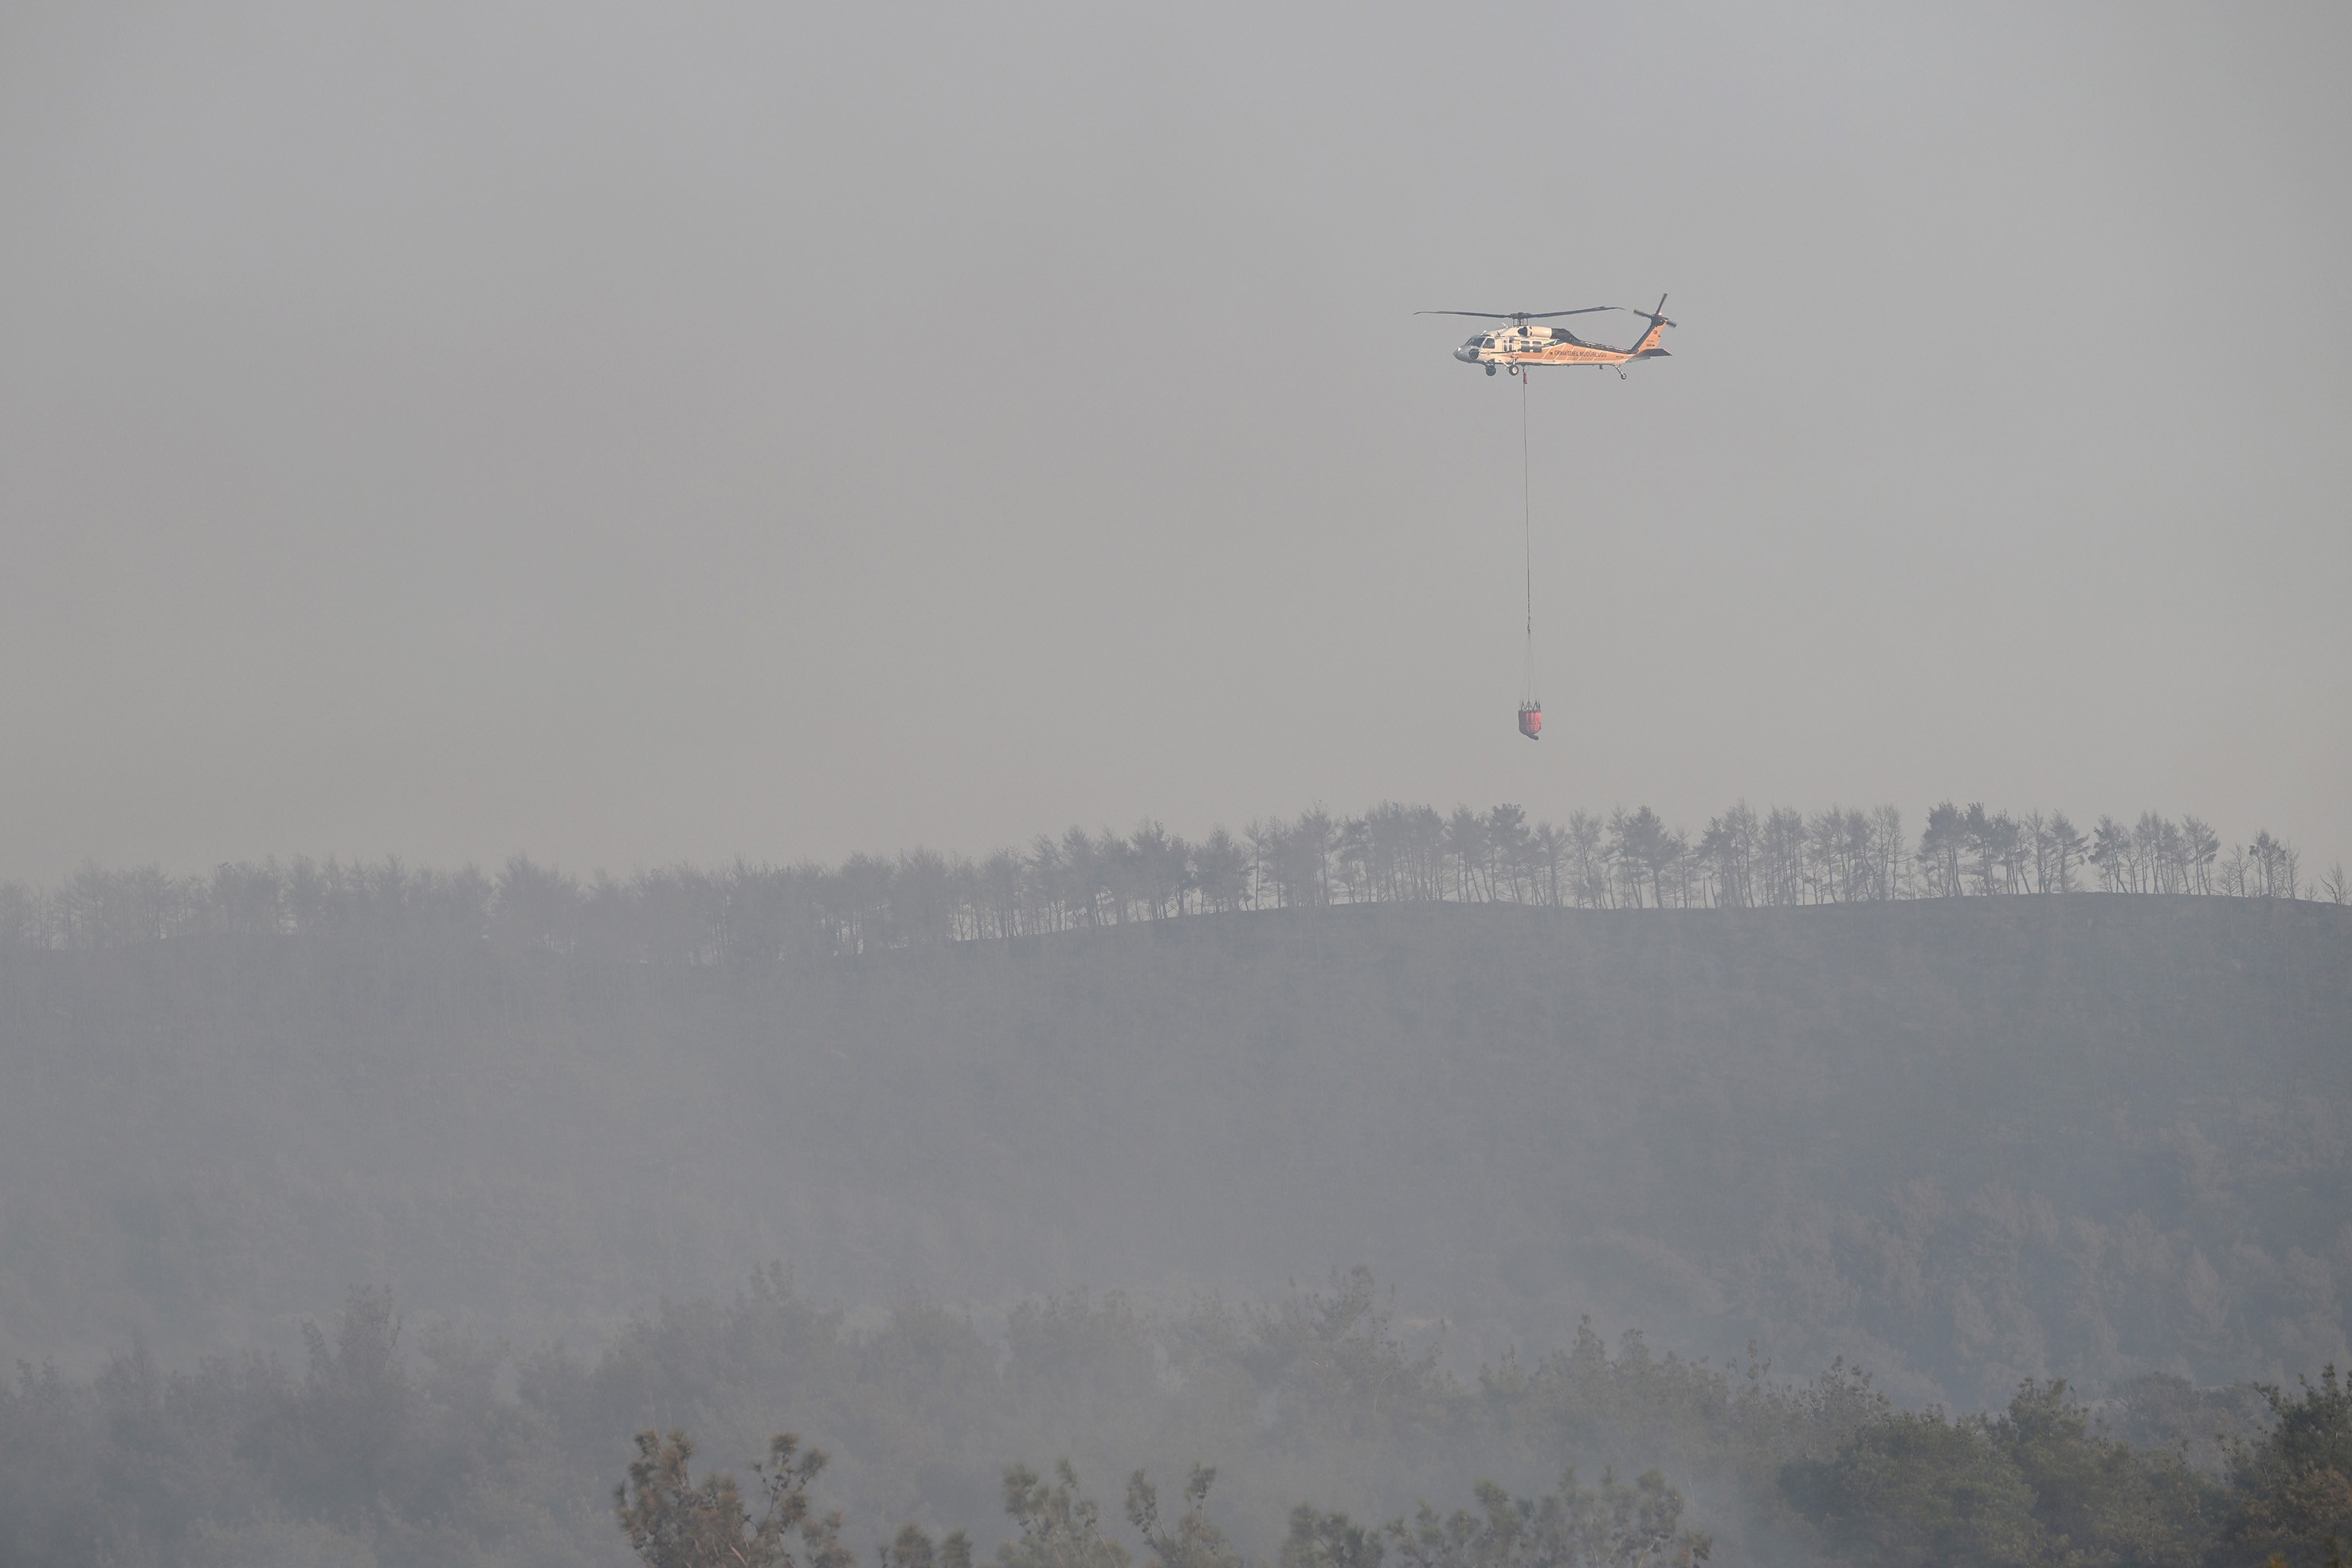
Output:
(1960, 1140)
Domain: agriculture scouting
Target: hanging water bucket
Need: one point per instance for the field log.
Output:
(1532, 720)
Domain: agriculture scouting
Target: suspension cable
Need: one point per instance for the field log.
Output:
(1528, 530)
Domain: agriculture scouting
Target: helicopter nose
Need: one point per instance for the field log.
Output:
(1466, 355)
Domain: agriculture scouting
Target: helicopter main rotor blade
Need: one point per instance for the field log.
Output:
(1520, 315)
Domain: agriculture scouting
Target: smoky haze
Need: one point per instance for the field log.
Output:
(729, 718)
(628, 435)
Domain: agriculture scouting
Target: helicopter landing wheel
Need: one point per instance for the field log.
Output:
(1490, 370)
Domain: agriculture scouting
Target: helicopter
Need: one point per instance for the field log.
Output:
(1519, 347)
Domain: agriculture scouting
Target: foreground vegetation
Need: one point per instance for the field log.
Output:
(1316, 1410)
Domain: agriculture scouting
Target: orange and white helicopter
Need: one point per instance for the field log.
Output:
(1520, 346)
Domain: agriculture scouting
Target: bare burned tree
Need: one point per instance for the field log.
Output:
(1615, 1525)
(673, 1522)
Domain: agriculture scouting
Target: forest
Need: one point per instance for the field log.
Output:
(362, 1213)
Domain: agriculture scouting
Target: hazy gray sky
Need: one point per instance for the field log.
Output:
(627, 433)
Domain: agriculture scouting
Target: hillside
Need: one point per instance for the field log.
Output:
(1958, 1141)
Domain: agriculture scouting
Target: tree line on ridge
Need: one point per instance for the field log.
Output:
(1390, 854)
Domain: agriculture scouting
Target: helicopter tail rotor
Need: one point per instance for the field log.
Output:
(1649, 347)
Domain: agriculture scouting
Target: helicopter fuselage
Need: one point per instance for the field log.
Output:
(1544, 345)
